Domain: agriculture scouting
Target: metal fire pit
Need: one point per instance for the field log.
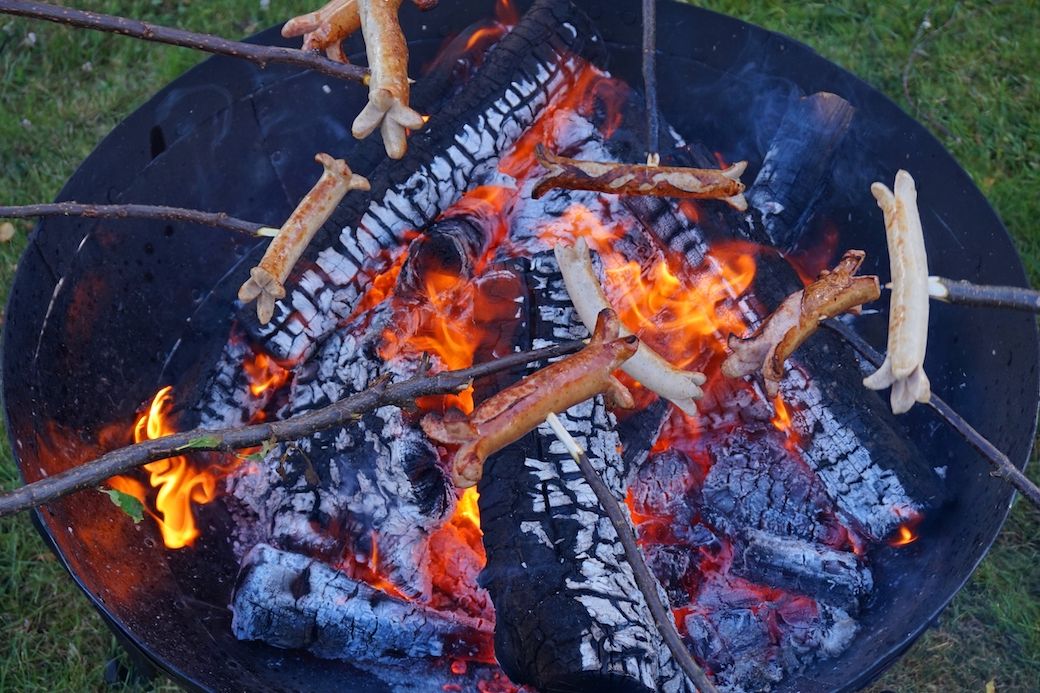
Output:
(102, 314)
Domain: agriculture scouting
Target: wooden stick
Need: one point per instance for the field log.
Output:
(260, 55)
(653, 126)
(218, 220)
(383, 393)
(1003, 466)
(644, 579)
(982, 295)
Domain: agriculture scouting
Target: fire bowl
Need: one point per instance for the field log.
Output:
(102, 314)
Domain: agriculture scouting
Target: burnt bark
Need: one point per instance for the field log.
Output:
(798, 165)
(568, 610)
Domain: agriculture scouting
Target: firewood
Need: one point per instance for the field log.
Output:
(507, 416)
(797, 318)
(266, 283)
(903, 368)
(638, 179)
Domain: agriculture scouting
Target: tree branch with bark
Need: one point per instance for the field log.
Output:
(383, 393)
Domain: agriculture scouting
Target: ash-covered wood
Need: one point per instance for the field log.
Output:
(294, 602)
(568, 613)
(838, 578)
(756, 483)
(751, 643)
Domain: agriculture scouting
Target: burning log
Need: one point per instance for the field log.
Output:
(903, 368)
(798, 317)
(635, 179)
(266, 283)
(512, 413)
(294, 602)
(849, 438)
(568, 612)
(647, 366)
(532, 65)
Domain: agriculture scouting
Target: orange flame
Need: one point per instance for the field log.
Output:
(467, 510)
(906, 533)
(441, 327)
(905, 536)
(179, 485)
(682, 312)
(591, 88)
(263, 374)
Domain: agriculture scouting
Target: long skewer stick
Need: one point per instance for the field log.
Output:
(966, 293)
(653, 157)
(260, 55)
(382, 393)
(218, 220)
(644, 579)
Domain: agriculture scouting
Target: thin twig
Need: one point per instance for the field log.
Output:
(402, 394)
(1003, 466)
(218, 220)
(650, 79)
(260, 55)
(644, 579)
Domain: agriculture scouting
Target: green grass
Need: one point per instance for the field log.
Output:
(974, 83)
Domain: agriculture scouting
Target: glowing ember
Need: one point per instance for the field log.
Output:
(178, 483)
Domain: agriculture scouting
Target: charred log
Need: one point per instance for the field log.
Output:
(755, 483)
(838, 578)
(568, 611)
(798, 164)
(456, 151)
(373, 486)
(294, 602)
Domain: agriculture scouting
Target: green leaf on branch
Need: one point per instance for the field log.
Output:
(127, 503)
(202, 442)
(261, 454)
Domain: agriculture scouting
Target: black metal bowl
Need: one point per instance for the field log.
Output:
(101, 314)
